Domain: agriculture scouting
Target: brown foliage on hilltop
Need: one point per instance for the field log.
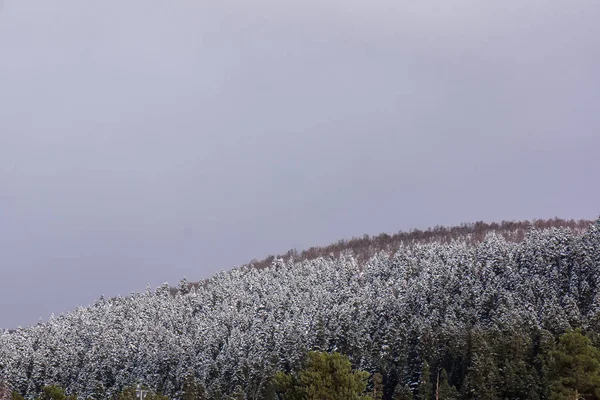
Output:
(363, 248)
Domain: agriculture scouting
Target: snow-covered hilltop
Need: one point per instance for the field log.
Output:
(423, 303)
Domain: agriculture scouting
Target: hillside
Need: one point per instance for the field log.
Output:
(363, 248)
(482, 303)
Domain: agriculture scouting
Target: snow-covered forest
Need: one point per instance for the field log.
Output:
(483, 313)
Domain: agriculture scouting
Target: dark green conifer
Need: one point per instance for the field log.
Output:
(192, 389)
(575, 368)
(445, 391)
(425, 386)
(402, 392)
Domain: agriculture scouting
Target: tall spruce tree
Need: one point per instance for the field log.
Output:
(444, 390)
(425, 385)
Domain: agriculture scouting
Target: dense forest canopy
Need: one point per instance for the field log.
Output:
(480, 316)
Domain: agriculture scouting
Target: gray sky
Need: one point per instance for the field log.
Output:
(142, 141)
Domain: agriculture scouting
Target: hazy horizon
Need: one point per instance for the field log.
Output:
(142, 142)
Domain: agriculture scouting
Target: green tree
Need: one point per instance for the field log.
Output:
(425, 386)
(402, 392)
(216, 394)
(445, 391)
(325, 377)
(575, 368)
(192, 389)
(55, 392)
(481, 380)
(127, 394)
(238, 394)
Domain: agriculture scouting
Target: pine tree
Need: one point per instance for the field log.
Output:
(576, 368)
(325, 377)
(53, 392)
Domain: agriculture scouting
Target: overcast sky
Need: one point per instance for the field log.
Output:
(142, 141)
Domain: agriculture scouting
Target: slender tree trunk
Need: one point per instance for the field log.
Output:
(437, 387)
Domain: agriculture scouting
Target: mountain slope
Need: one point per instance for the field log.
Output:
(424, 303)
(363, 248)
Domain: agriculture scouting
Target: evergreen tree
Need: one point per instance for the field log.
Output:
(445, 391)
(325, 377)
(576, 368)
(402, 392)
(54, 392)
(425, 386)
(238, 394)
(481, 381)
(192, 389)
(128, 394)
